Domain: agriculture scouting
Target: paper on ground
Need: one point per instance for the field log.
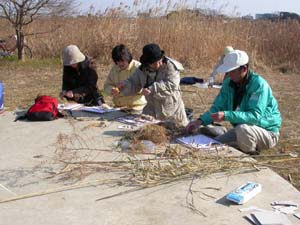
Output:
(98, 109)
(286, 209)
(297, 215)
(198, 141)
(251, 208)
(136, 120)
(270, 218)
(69, 106)
(125, 127)
(284, 203)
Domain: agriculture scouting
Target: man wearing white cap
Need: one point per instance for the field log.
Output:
(79, 78)
(247, 102)
(211, 80)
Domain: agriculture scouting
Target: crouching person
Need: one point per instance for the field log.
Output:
(79, 78)
(158, 80)
(123, 68)
(247, 102)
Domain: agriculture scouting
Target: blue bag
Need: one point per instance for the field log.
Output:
(190, 80)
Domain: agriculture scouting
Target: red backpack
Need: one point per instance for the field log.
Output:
(45, 108)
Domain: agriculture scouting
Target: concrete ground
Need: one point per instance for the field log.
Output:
(32, 154)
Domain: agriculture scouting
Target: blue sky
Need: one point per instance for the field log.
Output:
(230, 7)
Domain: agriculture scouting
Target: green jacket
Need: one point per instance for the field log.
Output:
(258, 106)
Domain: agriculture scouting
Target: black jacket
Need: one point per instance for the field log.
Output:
(82, 82)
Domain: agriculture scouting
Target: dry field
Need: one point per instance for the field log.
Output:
(197, 42)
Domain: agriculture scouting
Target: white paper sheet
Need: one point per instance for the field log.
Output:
(197, 141)
(268, 218)
(136, 120)
(98, 109)
(69, 106)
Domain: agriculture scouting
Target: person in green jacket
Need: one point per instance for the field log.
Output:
(247, 102)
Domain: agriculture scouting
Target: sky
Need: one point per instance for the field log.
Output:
(230, 7)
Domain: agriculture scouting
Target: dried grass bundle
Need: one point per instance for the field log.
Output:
(152, 132)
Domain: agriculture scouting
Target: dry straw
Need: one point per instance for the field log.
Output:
(194, 39)
(137, 174)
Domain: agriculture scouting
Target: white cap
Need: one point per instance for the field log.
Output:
(72, 55)
(233, 60)
(228, 49)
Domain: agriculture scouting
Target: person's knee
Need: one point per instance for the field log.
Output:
(246, 141)
(241, 128)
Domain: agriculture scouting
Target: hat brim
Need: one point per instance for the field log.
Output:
(74, 61)
(226, 68)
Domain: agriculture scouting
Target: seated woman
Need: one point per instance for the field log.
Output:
(158, 78)
(79, 78)
(123, 68)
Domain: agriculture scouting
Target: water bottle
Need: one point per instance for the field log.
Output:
(1, 97)
(201, 85)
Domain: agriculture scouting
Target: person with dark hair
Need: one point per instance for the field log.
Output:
(79, 78)
(246, 101)
(158, 79)
(122, 69)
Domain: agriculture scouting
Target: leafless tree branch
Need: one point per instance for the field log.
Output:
(21, 13)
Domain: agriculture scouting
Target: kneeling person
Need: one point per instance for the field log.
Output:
(123, 68)
(79, 78)
(158, 80)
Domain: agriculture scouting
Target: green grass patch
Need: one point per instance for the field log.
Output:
(12, 61)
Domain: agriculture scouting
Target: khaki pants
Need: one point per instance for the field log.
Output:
(249, 138)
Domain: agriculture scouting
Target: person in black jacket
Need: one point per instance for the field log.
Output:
(79, 78)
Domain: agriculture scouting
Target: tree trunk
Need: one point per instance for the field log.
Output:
(20, 44)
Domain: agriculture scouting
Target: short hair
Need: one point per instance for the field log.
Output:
(243, 66)
(121, 53)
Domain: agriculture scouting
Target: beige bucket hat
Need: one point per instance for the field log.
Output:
(72, 55)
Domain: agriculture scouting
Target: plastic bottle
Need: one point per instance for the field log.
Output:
(201, 85)
(148, 146)
(125, 144)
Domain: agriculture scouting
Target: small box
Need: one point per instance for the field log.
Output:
(244, 193)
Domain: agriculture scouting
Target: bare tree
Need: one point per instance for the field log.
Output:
(21, 13)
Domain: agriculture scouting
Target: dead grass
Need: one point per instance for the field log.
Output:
(155, 133)
(195, 41)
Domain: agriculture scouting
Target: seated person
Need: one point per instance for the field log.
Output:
(123, 68)
(247, 102)
(158, 79)
(79, 78)
(211, 81)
